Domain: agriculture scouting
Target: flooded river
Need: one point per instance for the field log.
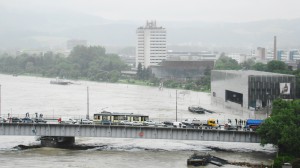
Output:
(36, 95)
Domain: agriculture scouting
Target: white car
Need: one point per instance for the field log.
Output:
(160, 125)
(85, 121)
(150, 123)
(136, 123)
(125, 122)
(2, 120)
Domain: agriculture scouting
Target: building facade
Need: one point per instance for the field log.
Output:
(251, 89)
(182, 70)
(151, 45)
(192, 56)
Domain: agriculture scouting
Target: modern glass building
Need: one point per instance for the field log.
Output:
(250, 89)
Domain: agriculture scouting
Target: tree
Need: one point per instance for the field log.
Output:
(259, 66)
(227, 63)
(282, 128)
(139, 73)
(276, 66)
(248, 64)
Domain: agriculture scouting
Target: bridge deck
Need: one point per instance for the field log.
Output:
(118, 131)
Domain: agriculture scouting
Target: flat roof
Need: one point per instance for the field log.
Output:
(252, 72)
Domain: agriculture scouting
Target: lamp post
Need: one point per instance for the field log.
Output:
(267, 103)
(176, 105)
(0, 100)
(87, 110)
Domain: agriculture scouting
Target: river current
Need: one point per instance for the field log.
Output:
(23, 94)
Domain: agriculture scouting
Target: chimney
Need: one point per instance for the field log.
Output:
(275, 49)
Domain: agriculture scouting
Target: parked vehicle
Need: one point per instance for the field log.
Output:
(3, 120)
(15, 120)
(150, 123)
(84, 121)
(179, 125)
(197, 123)
(159, 124)
(228, 126)
(66, 120)
(27, 120)
(168, 124)
(136, 123)
(125, 122)
(40, 120)
(253, 124)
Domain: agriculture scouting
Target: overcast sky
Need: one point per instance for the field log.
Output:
(166, 10)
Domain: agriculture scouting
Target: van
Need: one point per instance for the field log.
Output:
(66, 120)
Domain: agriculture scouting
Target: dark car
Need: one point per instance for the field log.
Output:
(168, 124)
(106, 122)
(15, 120)
(40, 120)
(27, 120)
(196, 109)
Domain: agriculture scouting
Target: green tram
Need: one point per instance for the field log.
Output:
(115, 118)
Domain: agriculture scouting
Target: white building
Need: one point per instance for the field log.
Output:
(151, 45)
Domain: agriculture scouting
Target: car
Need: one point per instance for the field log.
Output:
(66, 120)
(136, 123)
(27, 120)
(168, 124)
(84, 121)
(125, 122)
(179, 125)
(150, 123)
(159, 124)
(40, 120)
(15, 120)
(106, 122)
(2, 120)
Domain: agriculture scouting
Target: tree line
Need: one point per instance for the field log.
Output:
(91, 63)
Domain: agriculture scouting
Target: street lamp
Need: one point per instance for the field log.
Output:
(267, 103)
(176, 105)
(0, 100)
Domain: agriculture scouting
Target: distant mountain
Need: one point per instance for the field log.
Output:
(53, 29)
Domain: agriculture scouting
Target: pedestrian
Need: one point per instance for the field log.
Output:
(217, 121)
(235, 121)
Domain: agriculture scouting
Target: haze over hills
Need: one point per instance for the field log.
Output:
(31, 30)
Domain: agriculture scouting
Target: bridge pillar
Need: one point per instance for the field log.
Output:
(57, 141)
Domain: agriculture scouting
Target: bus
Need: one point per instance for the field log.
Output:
(106, 117)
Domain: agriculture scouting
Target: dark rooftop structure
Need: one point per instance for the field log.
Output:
(182, 69)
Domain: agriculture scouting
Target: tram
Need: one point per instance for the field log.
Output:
(106, 117)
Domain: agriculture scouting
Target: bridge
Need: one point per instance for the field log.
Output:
(53, 134)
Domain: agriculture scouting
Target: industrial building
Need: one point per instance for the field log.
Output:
(182, 70)
(250, 89)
